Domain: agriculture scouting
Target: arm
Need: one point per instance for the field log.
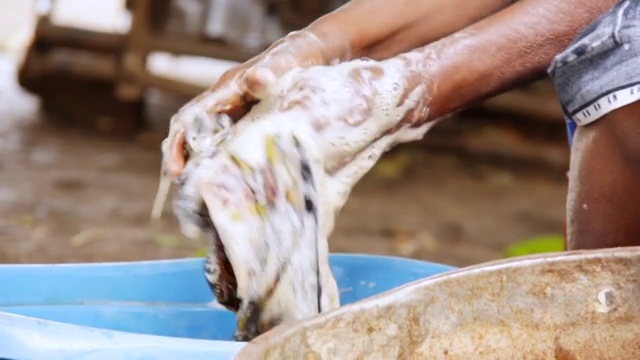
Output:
(502, 51)
(383, 28)
(346, 33)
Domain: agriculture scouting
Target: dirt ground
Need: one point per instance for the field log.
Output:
(67, 196)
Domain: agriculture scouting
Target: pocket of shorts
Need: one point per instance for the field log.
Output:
(601, 40)
(627, 26)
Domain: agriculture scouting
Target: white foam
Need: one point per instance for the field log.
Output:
(345, 117)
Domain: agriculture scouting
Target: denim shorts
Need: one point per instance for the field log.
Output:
(600, 71)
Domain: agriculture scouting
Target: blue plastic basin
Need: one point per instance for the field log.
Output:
(149, 309)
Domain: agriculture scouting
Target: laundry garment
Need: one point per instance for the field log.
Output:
(266, 190)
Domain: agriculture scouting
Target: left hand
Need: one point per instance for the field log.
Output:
(263, 205)
(355, 111)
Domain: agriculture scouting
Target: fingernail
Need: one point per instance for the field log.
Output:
(259, 81)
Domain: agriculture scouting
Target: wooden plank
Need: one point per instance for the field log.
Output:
(79, 64)
(179, 87)
(196, 47)
(56, 35)
(134, 54)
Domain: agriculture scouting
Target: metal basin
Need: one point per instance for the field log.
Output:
(573, 305)
(148, 309)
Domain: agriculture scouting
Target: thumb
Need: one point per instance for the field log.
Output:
(259, 82)
(226, 98)
(236, 96)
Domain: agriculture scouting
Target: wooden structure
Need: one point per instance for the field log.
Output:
(97, 79)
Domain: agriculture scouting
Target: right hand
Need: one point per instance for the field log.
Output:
(238, 89)
(241, 87)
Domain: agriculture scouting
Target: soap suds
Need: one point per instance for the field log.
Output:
(273, 183)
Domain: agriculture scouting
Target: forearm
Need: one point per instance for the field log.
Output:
(441, 19)
(502, 51)
(383, 28)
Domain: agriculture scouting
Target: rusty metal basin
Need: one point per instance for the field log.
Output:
(571, 305)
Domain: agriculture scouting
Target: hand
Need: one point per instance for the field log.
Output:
(354, 111)
(241, 87)
(266, 190)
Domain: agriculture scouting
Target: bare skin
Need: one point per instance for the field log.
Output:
(401, 25)
(603, 206)
(349, 33)
(605, 166)
(508, 48)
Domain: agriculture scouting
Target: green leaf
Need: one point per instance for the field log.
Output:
(200, 252)
(26, 220)
(536, 245)
(165, 240)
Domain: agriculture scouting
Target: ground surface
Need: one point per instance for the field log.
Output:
(66, 196)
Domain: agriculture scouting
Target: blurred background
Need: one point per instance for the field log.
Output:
(86, 91)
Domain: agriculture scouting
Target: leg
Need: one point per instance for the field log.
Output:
(599, 87)
(603, 204)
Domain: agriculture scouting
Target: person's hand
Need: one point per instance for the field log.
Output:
(242, 86)
(354, 111)
(266, 190)
(237, 90)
